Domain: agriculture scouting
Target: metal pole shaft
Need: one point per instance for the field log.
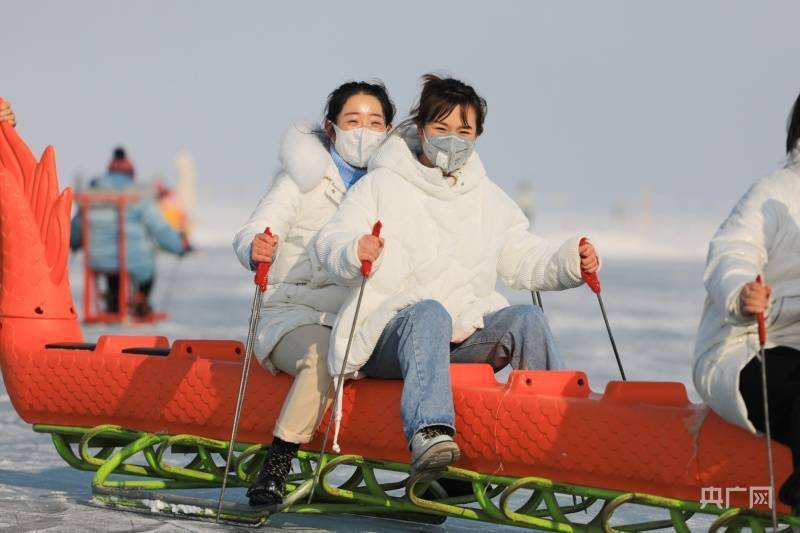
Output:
(255, 314)
(611, 337)
(537, 299)
(171, 280)
(339, 385)
(768, 433)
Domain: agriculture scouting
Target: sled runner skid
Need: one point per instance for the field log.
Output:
(530, 502)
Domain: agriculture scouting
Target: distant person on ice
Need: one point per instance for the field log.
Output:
(145, 232)
(449, 233)
(300, 307)
(760, 236)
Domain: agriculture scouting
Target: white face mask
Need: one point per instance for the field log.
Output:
(449, 151)
(356, 146)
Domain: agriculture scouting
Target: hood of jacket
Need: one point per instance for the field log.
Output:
(399, 154)
(304, 155)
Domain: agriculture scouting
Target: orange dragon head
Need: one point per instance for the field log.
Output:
(34, 233)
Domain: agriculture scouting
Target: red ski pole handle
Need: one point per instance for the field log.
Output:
(590, 278)
(262, 270)
(762, 326)
(366, 266)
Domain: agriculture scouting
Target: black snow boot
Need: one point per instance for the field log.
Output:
(270, 485)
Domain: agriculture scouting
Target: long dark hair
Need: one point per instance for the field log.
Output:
(338, 98)
(438, 98)
(793, 128)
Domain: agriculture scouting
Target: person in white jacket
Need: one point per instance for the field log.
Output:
(760, 236)
(301, 303)
(448, 233)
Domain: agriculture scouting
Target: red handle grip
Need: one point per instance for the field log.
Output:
(590, 278)
(262, 271)
(762, 326)
(366, 266)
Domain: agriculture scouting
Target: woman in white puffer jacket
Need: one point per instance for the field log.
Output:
(301, 303)
(448, 234)
(761, 236)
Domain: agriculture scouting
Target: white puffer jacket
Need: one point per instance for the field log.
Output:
(760, 236)
(448, 243)
(303, 198)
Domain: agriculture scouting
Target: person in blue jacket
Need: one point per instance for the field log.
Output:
(146, 230)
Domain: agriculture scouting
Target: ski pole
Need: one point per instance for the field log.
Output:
(366, 270)
(593, 282)
(262, 272)
(173, 275)
(166, 298)
(537, 299)
(762, 340)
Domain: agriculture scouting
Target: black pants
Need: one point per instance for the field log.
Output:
(112, 299)
(783, 394)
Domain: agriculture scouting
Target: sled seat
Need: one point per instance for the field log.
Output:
(663, 393)
(146, 350)
(229, 350)
(89, 346)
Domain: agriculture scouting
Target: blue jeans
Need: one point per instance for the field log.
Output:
(415, 346)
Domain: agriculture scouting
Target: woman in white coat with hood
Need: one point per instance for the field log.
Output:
(448, 233)
(301, 303)
(761, 236)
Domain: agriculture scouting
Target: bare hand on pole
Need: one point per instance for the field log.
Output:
(589, 266)
(261, 281)
(764, 292)
(7, 114)
(754, 298)
(262, 250)
(369, 248)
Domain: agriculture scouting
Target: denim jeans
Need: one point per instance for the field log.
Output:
(415, 346)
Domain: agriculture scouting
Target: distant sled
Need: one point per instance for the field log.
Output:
(133, 404)
(95, 300)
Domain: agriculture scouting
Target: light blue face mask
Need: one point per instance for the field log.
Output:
(448, 151)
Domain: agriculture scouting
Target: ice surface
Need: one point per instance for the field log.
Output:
(654, 308)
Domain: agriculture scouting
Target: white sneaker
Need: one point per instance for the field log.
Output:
(432, 449)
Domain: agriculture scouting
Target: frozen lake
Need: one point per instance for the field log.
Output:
(654, 308)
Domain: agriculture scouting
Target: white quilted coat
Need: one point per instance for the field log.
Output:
(445, 242)
(760, 236)
(304, 196)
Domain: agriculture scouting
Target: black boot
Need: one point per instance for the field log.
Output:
(269, 486)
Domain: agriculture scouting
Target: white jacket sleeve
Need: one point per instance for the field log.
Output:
(738, 251)
(337, 242)
(277, 210)
(529, 262)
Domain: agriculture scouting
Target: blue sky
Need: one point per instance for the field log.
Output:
(593, 103)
